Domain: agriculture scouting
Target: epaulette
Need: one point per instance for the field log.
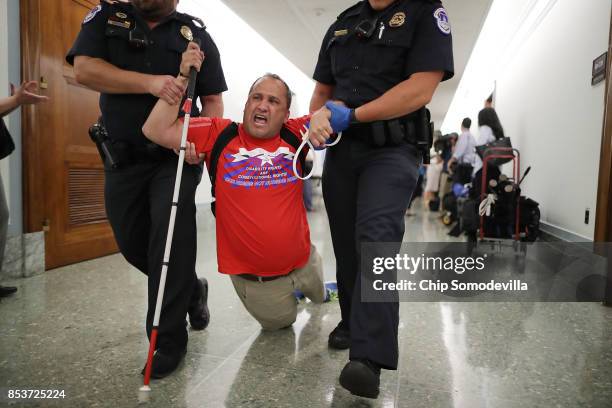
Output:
(348, 10)
(197, 22)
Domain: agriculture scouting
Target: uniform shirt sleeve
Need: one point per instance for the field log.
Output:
(211, 80)
(203, 132)
(91, 41)
(323, 71)
(432, 46)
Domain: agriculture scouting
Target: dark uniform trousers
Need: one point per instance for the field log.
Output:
(138, 202)
(366, 191)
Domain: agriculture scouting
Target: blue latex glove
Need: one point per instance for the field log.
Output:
(340, 117)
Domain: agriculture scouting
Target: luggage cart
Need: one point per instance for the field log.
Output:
(501, 153)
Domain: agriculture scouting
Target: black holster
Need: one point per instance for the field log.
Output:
(98, 135)
(424, 132)
(117, 153)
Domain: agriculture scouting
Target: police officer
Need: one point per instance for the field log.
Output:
(131, 53)
(381, 61)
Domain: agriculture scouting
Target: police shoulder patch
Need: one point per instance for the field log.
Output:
(194, 22)
(350, 9)
(442, 20)
(92, 14)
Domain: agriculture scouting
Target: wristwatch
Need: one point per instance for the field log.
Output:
(352, 117)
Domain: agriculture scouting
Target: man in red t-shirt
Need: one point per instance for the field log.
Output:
(263, 239)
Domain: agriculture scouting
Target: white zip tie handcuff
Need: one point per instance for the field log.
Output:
(306, 141)
(485, 206)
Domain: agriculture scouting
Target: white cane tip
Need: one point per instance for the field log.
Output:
(143, 394)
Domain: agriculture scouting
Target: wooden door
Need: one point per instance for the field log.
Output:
(603, 221)
(63, 174)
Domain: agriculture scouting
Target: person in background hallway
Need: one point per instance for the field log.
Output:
(131, 53)
(24, 95)
(489, 130)
(464, 153)
(432, 178)
(381, 61)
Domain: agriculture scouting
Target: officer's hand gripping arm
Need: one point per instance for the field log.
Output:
(162, 126)
(102, 76)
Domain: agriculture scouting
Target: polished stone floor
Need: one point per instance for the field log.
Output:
(80, 329)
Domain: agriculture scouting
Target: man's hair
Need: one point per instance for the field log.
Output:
(274, 76)
(467, 123)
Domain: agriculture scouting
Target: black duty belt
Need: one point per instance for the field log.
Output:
(257, 278)
(128, 153)
(385, 133)
(117, 153)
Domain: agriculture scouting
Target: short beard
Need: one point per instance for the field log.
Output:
(156, 14)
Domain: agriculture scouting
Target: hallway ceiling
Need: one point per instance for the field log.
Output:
(296, 29)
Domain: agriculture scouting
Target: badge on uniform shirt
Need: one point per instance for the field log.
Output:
(92, 14)
(397, 20)
(121, 15)
(442, 20)
(186, 32)
(124, 24)
(339, 33)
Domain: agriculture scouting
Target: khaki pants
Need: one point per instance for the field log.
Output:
(272, 303)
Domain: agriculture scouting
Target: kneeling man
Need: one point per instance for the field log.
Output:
(263, 239)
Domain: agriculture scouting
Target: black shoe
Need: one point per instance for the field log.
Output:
(164, 363)
(7, 290)
(361, 378)
(339, 338)
(199, 316)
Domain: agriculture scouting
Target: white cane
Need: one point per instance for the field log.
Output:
(145, 389)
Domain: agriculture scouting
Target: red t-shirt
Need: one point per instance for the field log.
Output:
(262, 227)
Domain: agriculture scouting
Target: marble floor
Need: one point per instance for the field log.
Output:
(80, 329)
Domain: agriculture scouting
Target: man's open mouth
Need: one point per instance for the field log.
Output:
(260, 120)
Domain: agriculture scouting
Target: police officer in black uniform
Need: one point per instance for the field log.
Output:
(383, 60)
(131, 53)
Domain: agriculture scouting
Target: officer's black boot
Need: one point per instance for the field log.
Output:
(339, 338)
(7, 290)
(165, 362)
(361, 377)
(199, 315)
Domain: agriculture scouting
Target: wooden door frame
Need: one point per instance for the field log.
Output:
(603, 219)
(32, 129)
(74, 230)
(33, 193)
